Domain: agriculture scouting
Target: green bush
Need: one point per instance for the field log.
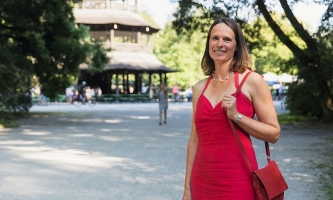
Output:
(15, 103)
(301, 100)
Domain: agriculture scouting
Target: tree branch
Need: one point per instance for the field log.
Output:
(310, 42)
(277, 30)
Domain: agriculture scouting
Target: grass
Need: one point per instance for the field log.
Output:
(295, 119)
(7, 120)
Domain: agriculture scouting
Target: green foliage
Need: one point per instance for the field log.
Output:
(303, 94)
(17, 103)
(198, 15)
(40, 37)
(145, 15)
(295, 119)
(182, 52)
(310, 56)
(268, 52)
(300, 105)
(271, 55)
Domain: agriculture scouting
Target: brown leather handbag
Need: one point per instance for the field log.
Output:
(268, 181)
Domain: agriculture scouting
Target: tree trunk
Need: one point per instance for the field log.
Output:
(308, 58)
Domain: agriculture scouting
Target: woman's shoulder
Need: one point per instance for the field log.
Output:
(199, 86)
(255, 83)
(254, 77)
(200, 83)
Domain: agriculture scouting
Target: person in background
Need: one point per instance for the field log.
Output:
(188, 93)
(88, 93)
(175, 92)
(162, 96)
(215, 166)
(82, 94)
(281, 91)
(98, 91)
(69, 94)
(143, 89)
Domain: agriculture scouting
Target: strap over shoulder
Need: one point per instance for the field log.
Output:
(207, 83)
(241, 84)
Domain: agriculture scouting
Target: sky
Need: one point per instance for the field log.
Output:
(161, 11)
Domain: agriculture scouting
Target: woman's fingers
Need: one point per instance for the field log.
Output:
(229, 102)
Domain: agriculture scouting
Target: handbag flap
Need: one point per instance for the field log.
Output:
(272, 179)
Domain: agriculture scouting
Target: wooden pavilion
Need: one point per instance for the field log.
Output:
(132, 63)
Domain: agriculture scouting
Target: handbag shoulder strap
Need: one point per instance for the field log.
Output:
(237, 137)
(241, 84)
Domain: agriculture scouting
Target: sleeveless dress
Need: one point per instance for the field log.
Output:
(219, 170)
(162, 105)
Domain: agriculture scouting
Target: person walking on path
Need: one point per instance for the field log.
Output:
(215, 166)
(162, 96)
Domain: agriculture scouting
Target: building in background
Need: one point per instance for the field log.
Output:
(132, 63)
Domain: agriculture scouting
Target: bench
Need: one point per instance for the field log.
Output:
(106, 98)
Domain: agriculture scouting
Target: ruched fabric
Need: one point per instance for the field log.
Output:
(219, 170)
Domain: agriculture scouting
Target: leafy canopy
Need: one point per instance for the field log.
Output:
(42, 39)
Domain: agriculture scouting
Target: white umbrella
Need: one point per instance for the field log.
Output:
(271, 78)
(287, 78)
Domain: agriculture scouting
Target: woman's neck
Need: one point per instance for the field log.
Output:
(222, 69)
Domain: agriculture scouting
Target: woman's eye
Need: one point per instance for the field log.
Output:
(227, 39)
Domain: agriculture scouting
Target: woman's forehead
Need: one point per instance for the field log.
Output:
(222, 28)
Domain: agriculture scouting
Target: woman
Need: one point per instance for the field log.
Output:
(215, 167)
(162, 96)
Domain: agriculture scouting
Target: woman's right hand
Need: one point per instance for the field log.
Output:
(187, 195)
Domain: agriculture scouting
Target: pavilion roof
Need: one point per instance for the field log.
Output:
(111, 16)
(133, 62)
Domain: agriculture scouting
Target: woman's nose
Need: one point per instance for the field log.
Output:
(220, 42)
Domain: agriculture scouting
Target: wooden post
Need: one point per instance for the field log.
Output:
(117, 88)
(138, 36)
(136, 6)
(112, 38)
(150, 87)
(107, 4)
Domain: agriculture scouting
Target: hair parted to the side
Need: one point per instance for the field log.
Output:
(241, 60)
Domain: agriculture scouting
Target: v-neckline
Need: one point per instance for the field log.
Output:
(219, 102)
(211, 105)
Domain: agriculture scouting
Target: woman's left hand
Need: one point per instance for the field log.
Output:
(229, 104)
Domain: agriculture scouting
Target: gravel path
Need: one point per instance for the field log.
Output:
(119, 152)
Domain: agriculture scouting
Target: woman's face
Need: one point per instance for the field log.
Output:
(222, 43)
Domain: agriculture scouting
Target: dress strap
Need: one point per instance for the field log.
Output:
(238, 86)
(207, 83)
(236, 79)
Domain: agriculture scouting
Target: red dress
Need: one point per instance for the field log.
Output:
(219, 170)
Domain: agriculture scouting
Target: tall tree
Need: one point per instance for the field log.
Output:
(183, 53)
(40, 37)
(314, 83)
(268, 52)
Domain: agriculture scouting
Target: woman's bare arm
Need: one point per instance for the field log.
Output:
(267, 127)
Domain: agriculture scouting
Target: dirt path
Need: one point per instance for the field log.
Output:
(119, 152)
